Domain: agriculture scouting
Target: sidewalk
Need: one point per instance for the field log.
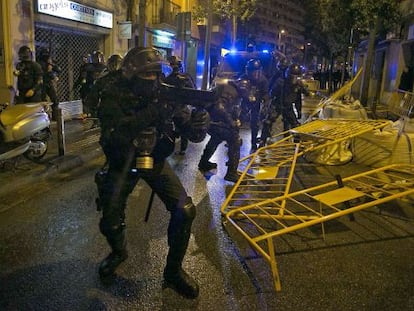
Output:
(81, 146)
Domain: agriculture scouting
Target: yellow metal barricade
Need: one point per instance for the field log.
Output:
(402, 104)
(261, 223)
(263, 206)
(268, 171)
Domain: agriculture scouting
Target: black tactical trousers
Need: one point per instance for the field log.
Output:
(120, 181)
(254, 123)
(272, 115)
(289, 117)
(217, 136)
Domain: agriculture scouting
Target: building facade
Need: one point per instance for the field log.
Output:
(70, 30)
(391, 56)
(73, 29)
(276, 24)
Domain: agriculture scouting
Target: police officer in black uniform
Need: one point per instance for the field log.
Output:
(281, 67)
(136, 137)
(286, 92)
(51, 73)
(114, 63)
(255, 91)
(180, 79)
(29, 77)
(92, 98)
(89, 73)
(224, 126)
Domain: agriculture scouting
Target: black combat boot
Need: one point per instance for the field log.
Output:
(119, 254)
(206, 166)
(231, 176)
(179, 231)
(232, 164)
(181, 282)
(111, 262)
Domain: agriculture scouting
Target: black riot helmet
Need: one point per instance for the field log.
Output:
(176, 63)
(97, 57)
(283, 64)
(114, 62)
(25, 53)
(44, 55)
(230, 91)
(254, 69)
(143, 63)
(87, 59)
(293, 72)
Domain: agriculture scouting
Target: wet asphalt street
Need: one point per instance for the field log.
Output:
(50, 248)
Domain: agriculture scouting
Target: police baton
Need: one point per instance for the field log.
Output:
(151, 199)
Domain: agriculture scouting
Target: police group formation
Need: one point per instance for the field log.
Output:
(37, 80)
(143, 104)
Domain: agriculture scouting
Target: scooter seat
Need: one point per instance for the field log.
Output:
(12, 114)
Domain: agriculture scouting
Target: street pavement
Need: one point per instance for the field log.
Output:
(366, 264)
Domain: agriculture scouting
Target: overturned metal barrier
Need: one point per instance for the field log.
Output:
(263, 205)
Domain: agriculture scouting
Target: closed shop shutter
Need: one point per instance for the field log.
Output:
(68, 47)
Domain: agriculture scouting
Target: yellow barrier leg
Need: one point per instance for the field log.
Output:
(273, 265)
(322, 223)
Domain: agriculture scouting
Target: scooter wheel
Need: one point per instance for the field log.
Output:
(36, 151)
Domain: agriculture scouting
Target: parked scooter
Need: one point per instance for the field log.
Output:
(24, 130)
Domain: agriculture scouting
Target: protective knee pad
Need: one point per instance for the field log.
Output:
(180, 225)
(182, 214)
(189, 210)
(111, 231)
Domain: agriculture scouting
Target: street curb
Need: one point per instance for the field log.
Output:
(68, 162)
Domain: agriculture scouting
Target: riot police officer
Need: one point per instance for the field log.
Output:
(92, 99)
(51, 73)
(180, 79)
(286, 92)
(89, 73)
(29, 77)
(254, 86)
(136, 137)
(281, 67)
(224, 126)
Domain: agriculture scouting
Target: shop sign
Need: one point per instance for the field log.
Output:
(76, 12)
(125, 30)
(163, 42)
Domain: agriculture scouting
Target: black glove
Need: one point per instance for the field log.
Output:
(196, 129)
(182, 115)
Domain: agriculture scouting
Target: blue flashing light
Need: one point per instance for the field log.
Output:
(233, 51)
(265, 51)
